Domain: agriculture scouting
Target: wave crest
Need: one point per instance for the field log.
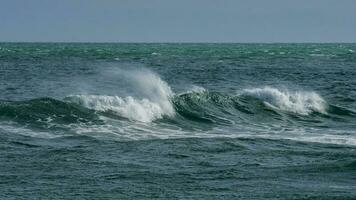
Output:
(300, 102)
(153, 104)
(142, 110)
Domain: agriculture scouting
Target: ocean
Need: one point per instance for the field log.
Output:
(177, 121)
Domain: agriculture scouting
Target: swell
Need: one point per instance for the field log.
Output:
(45, 112)
(207, 106)
(201, 107)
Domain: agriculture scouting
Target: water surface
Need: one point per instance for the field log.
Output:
(199, 121)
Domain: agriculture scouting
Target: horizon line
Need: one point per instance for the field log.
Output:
(182, 42)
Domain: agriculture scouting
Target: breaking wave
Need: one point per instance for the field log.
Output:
(155, 109)
(198, 105)
(142, 110)
(153, 103)
(300, 102)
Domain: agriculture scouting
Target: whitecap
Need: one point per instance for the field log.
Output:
(142, 110)
(154, 103)
(300, 102)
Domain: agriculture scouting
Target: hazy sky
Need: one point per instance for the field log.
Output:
(178, 20)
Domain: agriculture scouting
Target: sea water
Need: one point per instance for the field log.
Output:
(177, 121)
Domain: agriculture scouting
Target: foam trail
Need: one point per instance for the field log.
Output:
(154, 102)
(300, 102)
(15, 128)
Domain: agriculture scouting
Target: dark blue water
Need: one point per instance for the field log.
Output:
(177, 121)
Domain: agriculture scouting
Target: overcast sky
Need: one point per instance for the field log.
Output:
(178, 20)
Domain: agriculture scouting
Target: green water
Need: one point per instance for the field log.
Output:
(177, 121)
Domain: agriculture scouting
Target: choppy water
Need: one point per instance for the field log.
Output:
(199, 121)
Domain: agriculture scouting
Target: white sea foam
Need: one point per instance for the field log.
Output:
(300, 102)
(142, 110)
(154, 102)
(196, 89)
(14, 128)
(144, 131)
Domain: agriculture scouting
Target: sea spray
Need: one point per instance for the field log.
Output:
(154, 101)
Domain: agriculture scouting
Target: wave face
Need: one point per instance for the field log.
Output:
(252, 101)
(300, 102)
(45, 111)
